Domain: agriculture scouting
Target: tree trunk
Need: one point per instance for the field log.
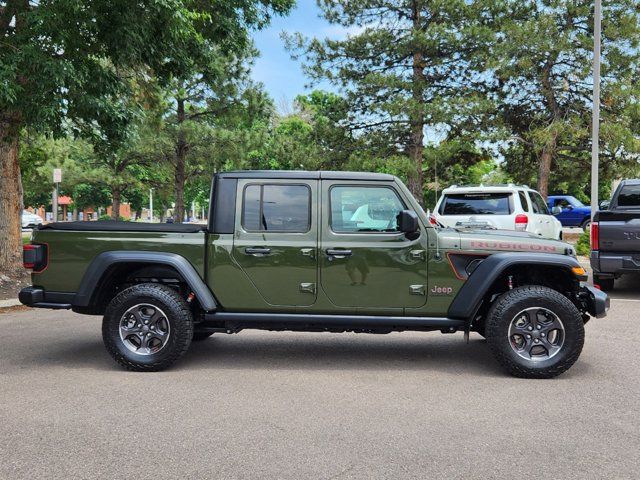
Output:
(544, 165)
(181, 155)
(416, 117)
(10, 197)
(115, 206)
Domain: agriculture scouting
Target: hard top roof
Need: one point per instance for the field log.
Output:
(630, 181)
(306, 175)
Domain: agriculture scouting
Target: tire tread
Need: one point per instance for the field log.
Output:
(495, 318)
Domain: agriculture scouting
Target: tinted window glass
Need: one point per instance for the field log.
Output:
(364, 209)
(251, 208)
(277, 208)
(539, 206)
(523, 201)
(476, 204)
(629, 196)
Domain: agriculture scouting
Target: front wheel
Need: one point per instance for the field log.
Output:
(147, 327)
(535, 332)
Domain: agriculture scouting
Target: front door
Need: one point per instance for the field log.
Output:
(366, 262)
(276, 239)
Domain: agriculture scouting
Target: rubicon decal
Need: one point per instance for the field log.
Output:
(520, 247)
(436, 290)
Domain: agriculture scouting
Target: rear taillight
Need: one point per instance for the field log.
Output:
(34, 257)
(595, 236)
(521, 222)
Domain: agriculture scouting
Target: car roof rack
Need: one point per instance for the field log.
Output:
(482, 185)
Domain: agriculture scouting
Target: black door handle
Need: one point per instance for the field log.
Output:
(257, 251)
(334, 252)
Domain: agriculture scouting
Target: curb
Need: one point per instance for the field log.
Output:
(11, 305)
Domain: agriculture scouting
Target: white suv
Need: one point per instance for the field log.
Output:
(504, 207)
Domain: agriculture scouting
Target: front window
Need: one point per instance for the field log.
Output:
(477, 204)
(364, 209)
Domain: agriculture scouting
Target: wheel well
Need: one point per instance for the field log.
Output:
(557, 278)
(119, 276)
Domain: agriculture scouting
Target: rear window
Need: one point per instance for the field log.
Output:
(523, 201)
(629, 196)
(477, 204)
(539, 205)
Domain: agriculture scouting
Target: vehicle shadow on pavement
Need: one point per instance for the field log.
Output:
(78, 354)
(256, 352)
(627, 287)
(332, 353)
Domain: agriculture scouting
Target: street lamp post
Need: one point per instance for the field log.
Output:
(595, 128)
(151, 205)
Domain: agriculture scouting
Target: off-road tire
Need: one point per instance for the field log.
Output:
(507, 307)
(605, 284)
(178, 315)
(200, 336)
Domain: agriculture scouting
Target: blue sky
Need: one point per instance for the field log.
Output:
(283, 78)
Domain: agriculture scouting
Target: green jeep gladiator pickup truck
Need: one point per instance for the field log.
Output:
(314, 251)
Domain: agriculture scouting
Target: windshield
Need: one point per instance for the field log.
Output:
(575, 202)
(477, 204)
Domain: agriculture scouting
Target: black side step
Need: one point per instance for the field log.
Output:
(300, 319)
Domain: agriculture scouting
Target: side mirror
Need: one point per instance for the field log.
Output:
(408, 224)
(604, 205)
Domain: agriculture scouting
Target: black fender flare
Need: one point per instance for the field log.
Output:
(467, 301)
(103, 261)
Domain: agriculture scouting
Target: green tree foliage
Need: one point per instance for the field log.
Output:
(405, 67)
(539, 76)
(70, 62)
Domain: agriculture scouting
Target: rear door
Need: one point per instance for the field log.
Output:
(276, 239)
(366, 263)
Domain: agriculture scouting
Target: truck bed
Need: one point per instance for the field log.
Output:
(113, 226)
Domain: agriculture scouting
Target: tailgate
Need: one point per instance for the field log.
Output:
(619, 231)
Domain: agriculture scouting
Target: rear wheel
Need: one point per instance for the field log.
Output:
(605, 284)
(586, 225)
(535, 332)
(147, 327)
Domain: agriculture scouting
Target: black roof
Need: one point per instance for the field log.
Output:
(305, 175)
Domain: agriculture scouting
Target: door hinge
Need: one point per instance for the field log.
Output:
(308, 252)
(417, 290)
(308, 288)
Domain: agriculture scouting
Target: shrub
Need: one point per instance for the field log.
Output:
(583, 245)
(108, 217)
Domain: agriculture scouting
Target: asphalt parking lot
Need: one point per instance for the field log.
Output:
(318, 406)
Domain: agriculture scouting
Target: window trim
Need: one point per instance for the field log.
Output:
(341, 185)
(262, 185)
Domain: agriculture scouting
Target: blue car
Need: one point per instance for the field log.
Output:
(570, 211)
